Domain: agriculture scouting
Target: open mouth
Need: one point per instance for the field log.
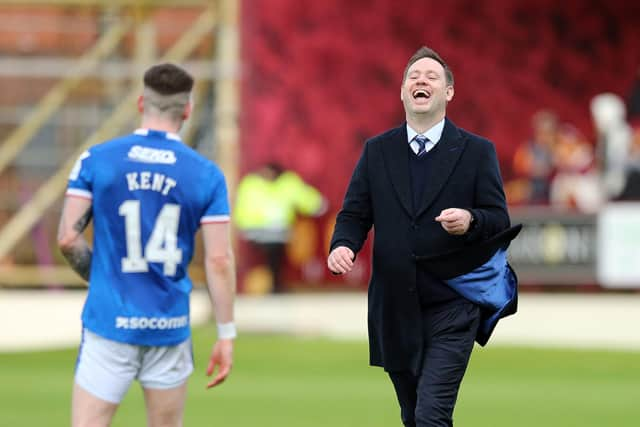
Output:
(421, 94)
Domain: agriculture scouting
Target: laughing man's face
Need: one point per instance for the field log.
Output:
(425, 89)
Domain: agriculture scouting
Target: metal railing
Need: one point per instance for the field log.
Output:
(56, 97)
(225, 117)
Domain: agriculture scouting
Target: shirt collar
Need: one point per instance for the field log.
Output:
(168, 135)
(434, 134)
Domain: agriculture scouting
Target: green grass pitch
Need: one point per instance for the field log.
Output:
(286, 381)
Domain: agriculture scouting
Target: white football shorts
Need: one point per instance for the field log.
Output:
(106, 368)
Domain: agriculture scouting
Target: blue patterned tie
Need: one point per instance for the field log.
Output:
(422, 142)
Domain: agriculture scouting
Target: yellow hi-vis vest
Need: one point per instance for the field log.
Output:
(272, 205)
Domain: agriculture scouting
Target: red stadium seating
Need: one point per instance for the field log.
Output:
(327, 74)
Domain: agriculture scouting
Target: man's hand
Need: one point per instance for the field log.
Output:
(222, 357)
(340, 260)
(455, 221)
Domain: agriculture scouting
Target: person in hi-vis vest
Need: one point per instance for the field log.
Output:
(267, 203)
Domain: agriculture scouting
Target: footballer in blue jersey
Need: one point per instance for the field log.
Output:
(147, 194)
(147, 204)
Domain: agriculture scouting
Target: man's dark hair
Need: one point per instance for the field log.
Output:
(168, 79)
(425, 52)
(275, 167)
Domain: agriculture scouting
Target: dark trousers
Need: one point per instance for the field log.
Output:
(428, 399)
(274, 256)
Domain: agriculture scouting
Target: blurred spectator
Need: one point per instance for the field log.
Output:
(267, 203)
(614, 141)
(576, 183)
(533, 161)
(631, 190)
(633, 101)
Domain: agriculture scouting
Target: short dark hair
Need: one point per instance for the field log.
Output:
(275, 167)
(426, 52)
(168, 79)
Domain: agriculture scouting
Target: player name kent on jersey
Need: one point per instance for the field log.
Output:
(147, 180)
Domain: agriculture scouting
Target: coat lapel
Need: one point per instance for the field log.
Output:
(450, 148)
(396, 161)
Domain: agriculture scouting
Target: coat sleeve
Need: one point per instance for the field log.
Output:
(356, 216)
(490, 207)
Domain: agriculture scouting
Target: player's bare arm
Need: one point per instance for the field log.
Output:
(221, 282)
(76, 215)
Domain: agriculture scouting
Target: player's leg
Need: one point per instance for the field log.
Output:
(104, 372)
(165, 407)
(90, 411)
(163, 377)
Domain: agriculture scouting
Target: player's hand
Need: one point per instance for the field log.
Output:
(222, 357)
(340, 260)
(455, 221)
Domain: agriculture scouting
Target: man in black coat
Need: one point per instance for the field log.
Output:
(427, 188)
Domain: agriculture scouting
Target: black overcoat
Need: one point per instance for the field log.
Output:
(466, 175)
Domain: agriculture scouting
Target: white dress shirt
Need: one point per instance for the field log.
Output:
(434, 134)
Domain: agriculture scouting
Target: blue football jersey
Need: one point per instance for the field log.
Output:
(149, 193)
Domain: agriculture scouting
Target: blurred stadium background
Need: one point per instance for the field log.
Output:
(303, 84)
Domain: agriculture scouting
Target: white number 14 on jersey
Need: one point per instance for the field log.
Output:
(162, 245)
